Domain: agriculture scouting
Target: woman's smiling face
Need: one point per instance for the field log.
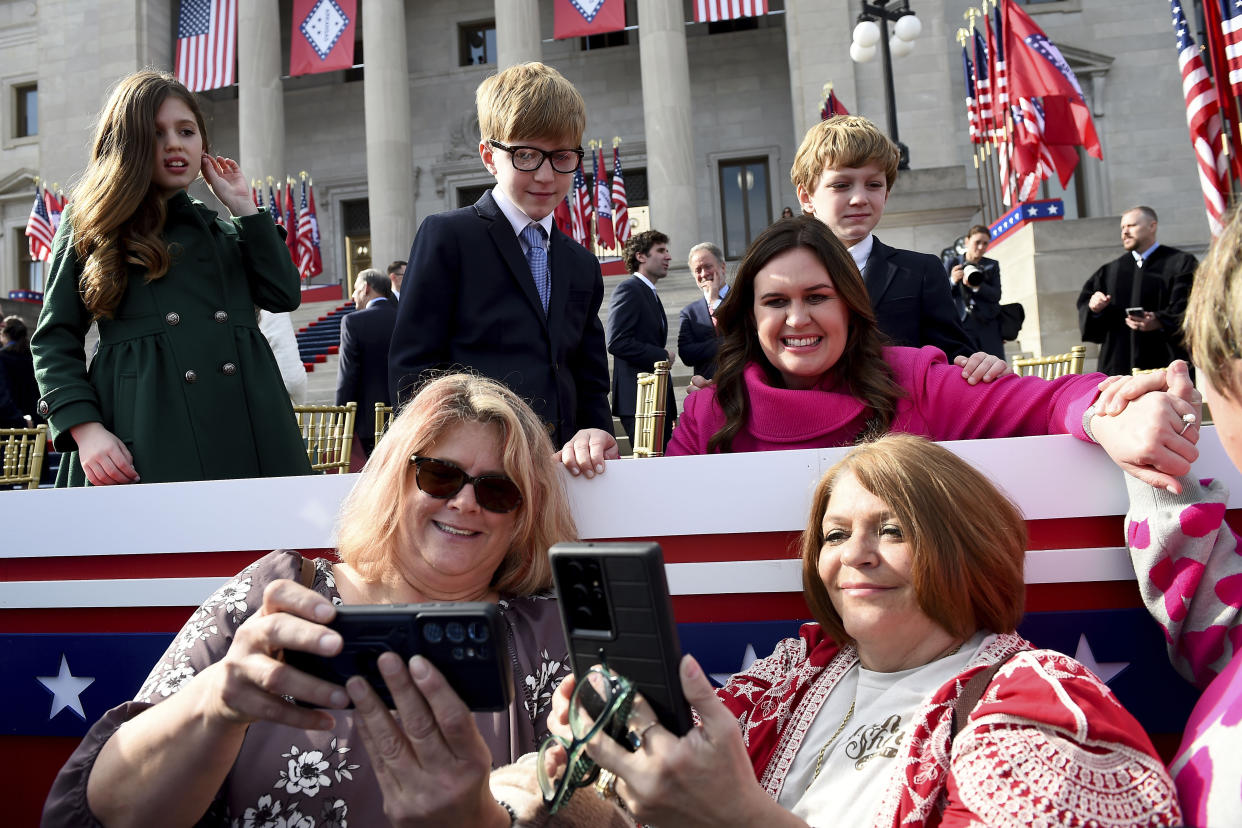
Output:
(801, 322)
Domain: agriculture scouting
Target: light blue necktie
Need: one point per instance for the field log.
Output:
(537, 257)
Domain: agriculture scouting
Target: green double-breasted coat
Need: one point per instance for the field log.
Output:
(183, 375)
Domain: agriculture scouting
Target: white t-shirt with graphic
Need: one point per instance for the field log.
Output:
(859, 764)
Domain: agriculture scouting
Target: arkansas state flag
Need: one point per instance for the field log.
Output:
(1038, 70)
(323, 36)
(579, 18)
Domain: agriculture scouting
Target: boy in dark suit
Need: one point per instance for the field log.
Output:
(843, 173)
(366, 335)
(496, 288)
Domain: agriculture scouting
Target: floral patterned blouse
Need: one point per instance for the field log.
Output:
(289, 778)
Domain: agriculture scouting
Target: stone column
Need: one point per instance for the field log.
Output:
(260, 96)
(666, 118)
(386, 97)
(817, 39)
(518, 38)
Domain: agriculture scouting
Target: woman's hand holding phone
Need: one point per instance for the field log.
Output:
(431, 762)
(248, 684)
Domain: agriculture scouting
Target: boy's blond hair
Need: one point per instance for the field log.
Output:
(530, 100)
(843, 141)
(1212, 326)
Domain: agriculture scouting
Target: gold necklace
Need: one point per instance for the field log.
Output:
(819, 762)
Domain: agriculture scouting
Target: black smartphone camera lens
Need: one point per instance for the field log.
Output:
(433, 632)
(455, 632)
(459, 653)
(478, 631)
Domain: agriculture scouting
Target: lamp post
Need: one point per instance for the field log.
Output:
(868, 33)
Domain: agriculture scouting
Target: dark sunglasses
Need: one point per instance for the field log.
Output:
(442, 479)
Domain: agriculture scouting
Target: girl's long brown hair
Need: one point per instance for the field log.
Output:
(861, 367)
(117, 216)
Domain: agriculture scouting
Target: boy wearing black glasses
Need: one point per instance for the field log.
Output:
(496, 287)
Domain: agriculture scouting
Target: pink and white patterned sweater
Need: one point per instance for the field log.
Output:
(1189, 566)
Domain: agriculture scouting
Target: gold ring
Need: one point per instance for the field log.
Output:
(606, 784)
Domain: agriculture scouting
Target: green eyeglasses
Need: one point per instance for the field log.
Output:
(601, 702)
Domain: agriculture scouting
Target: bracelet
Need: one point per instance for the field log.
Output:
(512, 813)
(1091, 411)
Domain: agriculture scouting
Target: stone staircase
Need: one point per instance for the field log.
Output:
(321, 382)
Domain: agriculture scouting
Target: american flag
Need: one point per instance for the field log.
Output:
(832, 105)
(620, 207)
(710, 11)
(1000, 75)
(314, 223)
(581, 210)
(39, 230)
(55, 206)
(273, 204)
(972, 112)
(206, 43)
(84, 615)
(983, 87)
(306, 239)
(1231, 28)
(291, 222)
(603, 202)
(1203, 118)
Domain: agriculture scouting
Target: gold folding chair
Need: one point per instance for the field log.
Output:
(650, 411)
(1136, 371)
(1051, 367)
(383, 419)
(328, 431)
(21, 456)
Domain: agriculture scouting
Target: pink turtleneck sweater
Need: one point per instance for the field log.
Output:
(939, 404)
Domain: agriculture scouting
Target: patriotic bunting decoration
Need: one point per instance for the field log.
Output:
(711, 11)
(620, 206)
(323, 36)
(39, 229)
(1203, 120)
(582, 18)
(206, 43)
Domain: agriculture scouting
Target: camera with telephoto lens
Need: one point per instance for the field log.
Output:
(972, 275)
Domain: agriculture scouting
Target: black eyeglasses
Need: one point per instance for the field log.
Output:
(442, 479)
(601, 701)
(529, 159)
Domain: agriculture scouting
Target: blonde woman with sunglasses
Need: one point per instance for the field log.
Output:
(459, 502)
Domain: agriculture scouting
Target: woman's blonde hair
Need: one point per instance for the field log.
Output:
(369, 536)
(967, 540)
(1212, 326)
(116, 214)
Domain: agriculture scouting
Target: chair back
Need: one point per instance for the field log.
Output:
(650, 411)
(383, 419)
(21, 456)
(1051, 367)
(328, 431)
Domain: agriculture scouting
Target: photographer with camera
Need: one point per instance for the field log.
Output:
(976, 288)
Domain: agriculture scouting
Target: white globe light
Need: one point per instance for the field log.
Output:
(898, 47)
(908, 27)
(861, 54)
(866, 33)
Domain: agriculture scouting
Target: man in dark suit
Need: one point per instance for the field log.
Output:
(843, 173)
(697, 342)
(366, 335)
(638, 327)
(1133, 305)
(496, 288)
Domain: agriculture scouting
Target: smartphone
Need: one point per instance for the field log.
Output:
(616, 610)
(465, 642)
(1135, 313)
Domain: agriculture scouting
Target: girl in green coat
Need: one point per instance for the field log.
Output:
(184, 385)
